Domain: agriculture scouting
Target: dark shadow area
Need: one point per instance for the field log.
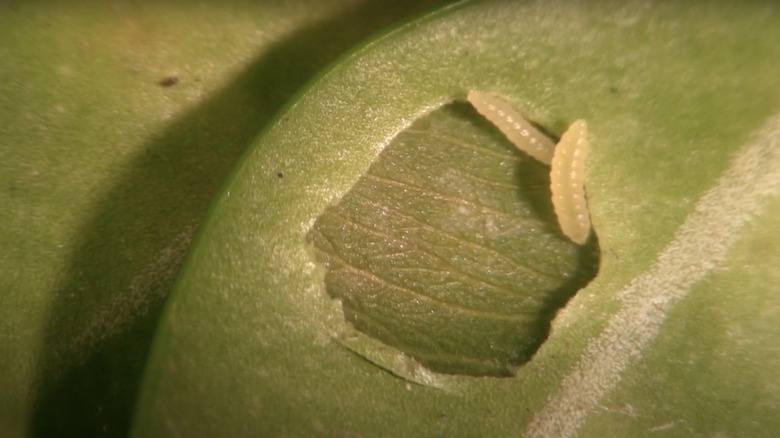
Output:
(588, 262)
(103, 321)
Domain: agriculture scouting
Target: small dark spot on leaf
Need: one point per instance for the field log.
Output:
(168, 81)
(280, 175)
(613, 89)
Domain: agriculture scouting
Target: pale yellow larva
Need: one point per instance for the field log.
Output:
(567, 183)
(513, 125)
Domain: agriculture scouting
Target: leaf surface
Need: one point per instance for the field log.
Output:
(249, 342)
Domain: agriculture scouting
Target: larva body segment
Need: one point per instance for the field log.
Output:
(513, 125)
(567, 183)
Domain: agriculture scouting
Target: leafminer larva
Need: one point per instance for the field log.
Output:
(513, 125)
(567, 160)
(567, 183)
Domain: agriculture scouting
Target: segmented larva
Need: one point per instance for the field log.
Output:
(513, 125)
(567, 183)
(567, 160)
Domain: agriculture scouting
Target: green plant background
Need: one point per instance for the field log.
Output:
(105, 174)
(249, 321)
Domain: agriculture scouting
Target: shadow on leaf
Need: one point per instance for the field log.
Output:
(104, 318)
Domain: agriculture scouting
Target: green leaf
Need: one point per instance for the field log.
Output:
(118, 123)
(448, 248)
(682, 178)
